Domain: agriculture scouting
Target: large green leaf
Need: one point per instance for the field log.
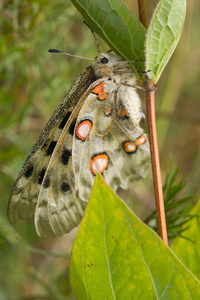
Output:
(115, 23)
(163, 35)
(116, 256)
(188, 250)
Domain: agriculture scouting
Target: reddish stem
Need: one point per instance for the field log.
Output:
(150, 108)
(151, 121)
(142, 12)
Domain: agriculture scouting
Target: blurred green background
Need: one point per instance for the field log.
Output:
(32, 84)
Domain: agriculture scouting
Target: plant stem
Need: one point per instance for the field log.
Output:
(142, 12)
(151, 121)
(150, 108)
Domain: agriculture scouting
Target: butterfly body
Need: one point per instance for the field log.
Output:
(95, 128)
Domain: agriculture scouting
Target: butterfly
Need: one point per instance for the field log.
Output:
(95, 128)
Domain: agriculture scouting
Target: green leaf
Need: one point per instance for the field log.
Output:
(163, 35)
(117, 26)
(191, 254)
(116, 256)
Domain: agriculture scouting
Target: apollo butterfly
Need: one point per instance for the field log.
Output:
(95, 128)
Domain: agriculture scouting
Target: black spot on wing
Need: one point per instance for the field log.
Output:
(28, 171)
(51, 147)
(41, 176)
(65, 187)
(64, 121)
(65, 156)
(46, 182)
(72, 126)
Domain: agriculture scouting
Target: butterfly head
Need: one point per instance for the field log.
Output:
(106, 64)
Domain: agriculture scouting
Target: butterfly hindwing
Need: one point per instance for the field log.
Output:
(111, 144)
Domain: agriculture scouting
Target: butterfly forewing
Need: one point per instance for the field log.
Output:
(59, 209)
(25, 192)
(95, 128)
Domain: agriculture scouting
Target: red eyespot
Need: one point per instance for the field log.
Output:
(130, 147)
(99, 163)
(141, 140)
(84, 129)
(99, 90)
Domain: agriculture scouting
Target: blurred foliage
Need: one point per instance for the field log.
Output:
(33, 82)
(176, 209)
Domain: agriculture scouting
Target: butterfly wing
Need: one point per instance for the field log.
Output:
(25, 192)
(59, 208)
(115, 145)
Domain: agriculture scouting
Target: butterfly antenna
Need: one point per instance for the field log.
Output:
(95, 38)
(69, 54)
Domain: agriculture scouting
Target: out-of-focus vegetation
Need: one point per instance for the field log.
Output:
(32, 83)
